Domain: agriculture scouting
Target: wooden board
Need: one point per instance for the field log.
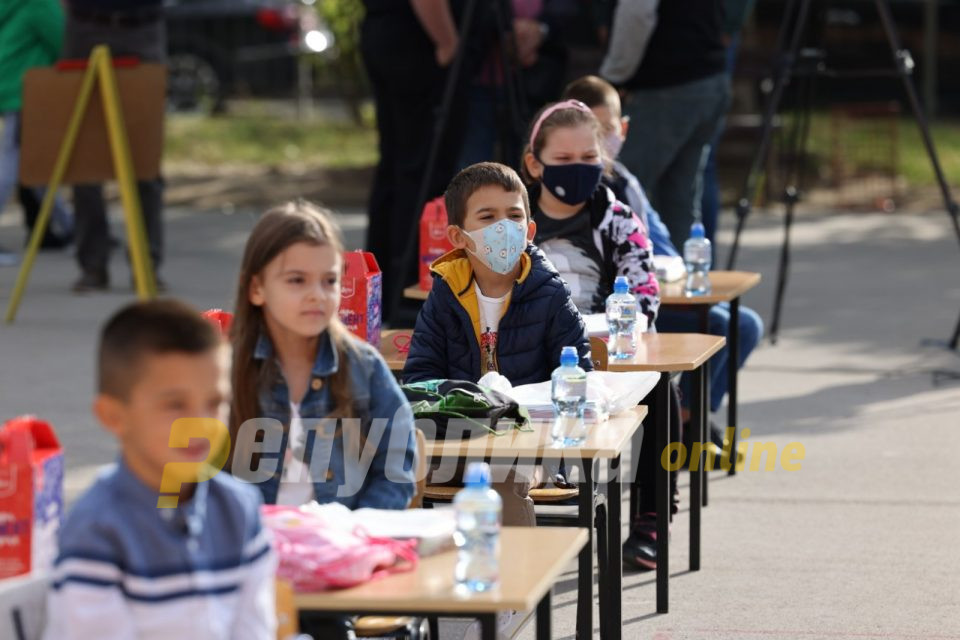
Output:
(669, 352)
(414, 292)
(531, 560)
(725, 286)
(49, 97)
(605, 440)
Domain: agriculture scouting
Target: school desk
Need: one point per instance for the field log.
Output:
(605, 442)
(667, 353)
(725, 286)
(531, 560)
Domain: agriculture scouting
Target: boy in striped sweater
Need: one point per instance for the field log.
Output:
(132, 568)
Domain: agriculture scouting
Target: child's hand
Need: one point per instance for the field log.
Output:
(446, 51)
(529, 37)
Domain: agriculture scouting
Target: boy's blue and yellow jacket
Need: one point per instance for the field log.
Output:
(538, 320)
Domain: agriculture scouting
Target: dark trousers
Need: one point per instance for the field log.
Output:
(649, 457)
(407, 88)
(147, 42)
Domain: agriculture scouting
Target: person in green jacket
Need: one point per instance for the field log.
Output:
(31, 35)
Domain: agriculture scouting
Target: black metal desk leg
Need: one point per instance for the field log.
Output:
(733, 368)
(615, 551)
(488, 626)
(696, 477)
(705, 397)
(543, 618)
(664, 495)
(585, 572)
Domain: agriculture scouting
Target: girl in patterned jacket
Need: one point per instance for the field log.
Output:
(590, 237)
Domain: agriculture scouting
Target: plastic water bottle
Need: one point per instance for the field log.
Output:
(622, 320)
(568, 391)
(698, 256)
(477, 537)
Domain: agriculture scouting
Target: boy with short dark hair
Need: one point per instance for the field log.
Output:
(133, 564)
(497, 304)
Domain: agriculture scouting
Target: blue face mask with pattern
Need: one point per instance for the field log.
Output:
(500, 244)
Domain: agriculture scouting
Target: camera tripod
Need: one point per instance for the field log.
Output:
(806, 65)
(512, 122)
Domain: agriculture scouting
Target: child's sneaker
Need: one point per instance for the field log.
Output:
(640, 549)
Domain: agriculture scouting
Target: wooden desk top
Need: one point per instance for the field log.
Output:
(389, 339)
(725, 286)
(531, 560)
(670, 352)
(414, 292)
(605, 440)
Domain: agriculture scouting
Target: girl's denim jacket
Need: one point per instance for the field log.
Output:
(382, 474)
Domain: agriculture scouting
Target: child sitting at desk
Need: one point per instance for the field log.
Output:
(604, 101)
(129, 567)
(497, 304)
(592, 238)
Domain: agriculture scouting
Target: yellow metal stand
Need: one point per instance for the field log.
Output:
(100, 67)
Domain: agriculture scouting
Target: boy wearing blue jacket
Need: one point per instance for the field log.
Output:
(497, 304)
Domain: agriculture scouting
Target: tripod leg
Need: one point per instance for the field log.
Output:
(513, 125)
(904, 65)
(443, 116)
(785, 62)
(799, 136)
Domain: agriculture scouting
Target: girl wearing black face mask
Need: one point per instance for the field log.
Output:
(590, 237)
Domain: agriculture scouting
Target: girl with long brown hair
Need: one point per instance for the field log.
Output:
(301, 378)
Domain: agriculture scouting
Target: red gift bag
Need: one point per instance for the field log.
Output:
(433, 238)
(220, 319)
(360, 295)
(31, 495)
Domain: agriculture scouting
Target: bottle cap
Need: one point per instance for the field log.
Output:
(621, 284)
(569, 357)
(697, 230)
(477, 475)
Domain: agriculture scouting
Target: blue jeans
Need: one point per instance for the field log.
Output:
(710, 202)
(670, 133)
(751, 330)
(61, 221)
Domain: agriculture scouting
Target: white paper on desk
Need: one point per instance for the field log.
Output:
(669, 268)
(608, 393)
(432, 528)
(597, 326)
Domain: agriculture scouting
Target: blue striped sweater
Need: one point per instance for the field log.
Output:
(127, 569)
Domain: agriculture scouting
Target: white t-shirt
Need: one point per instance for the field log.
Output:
(296, 486)
(491, 309)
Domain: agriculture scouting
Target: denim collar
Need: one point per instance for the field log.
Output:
(186, 518)
(327, 361)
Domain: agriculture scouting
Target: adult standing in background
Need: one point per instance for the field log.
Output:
(31, 34)
(130, 28)
(407, 47)
(669, 58)
(737, 12)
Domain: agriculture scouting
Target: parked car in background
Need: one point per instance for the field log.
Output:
(221, 49)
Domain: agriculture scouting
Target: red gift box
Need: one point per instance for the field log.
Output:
(360, 296)
(31, 495)
(433, 238)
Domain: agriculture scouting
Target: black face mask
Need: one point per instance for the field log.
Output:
(572, 183)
